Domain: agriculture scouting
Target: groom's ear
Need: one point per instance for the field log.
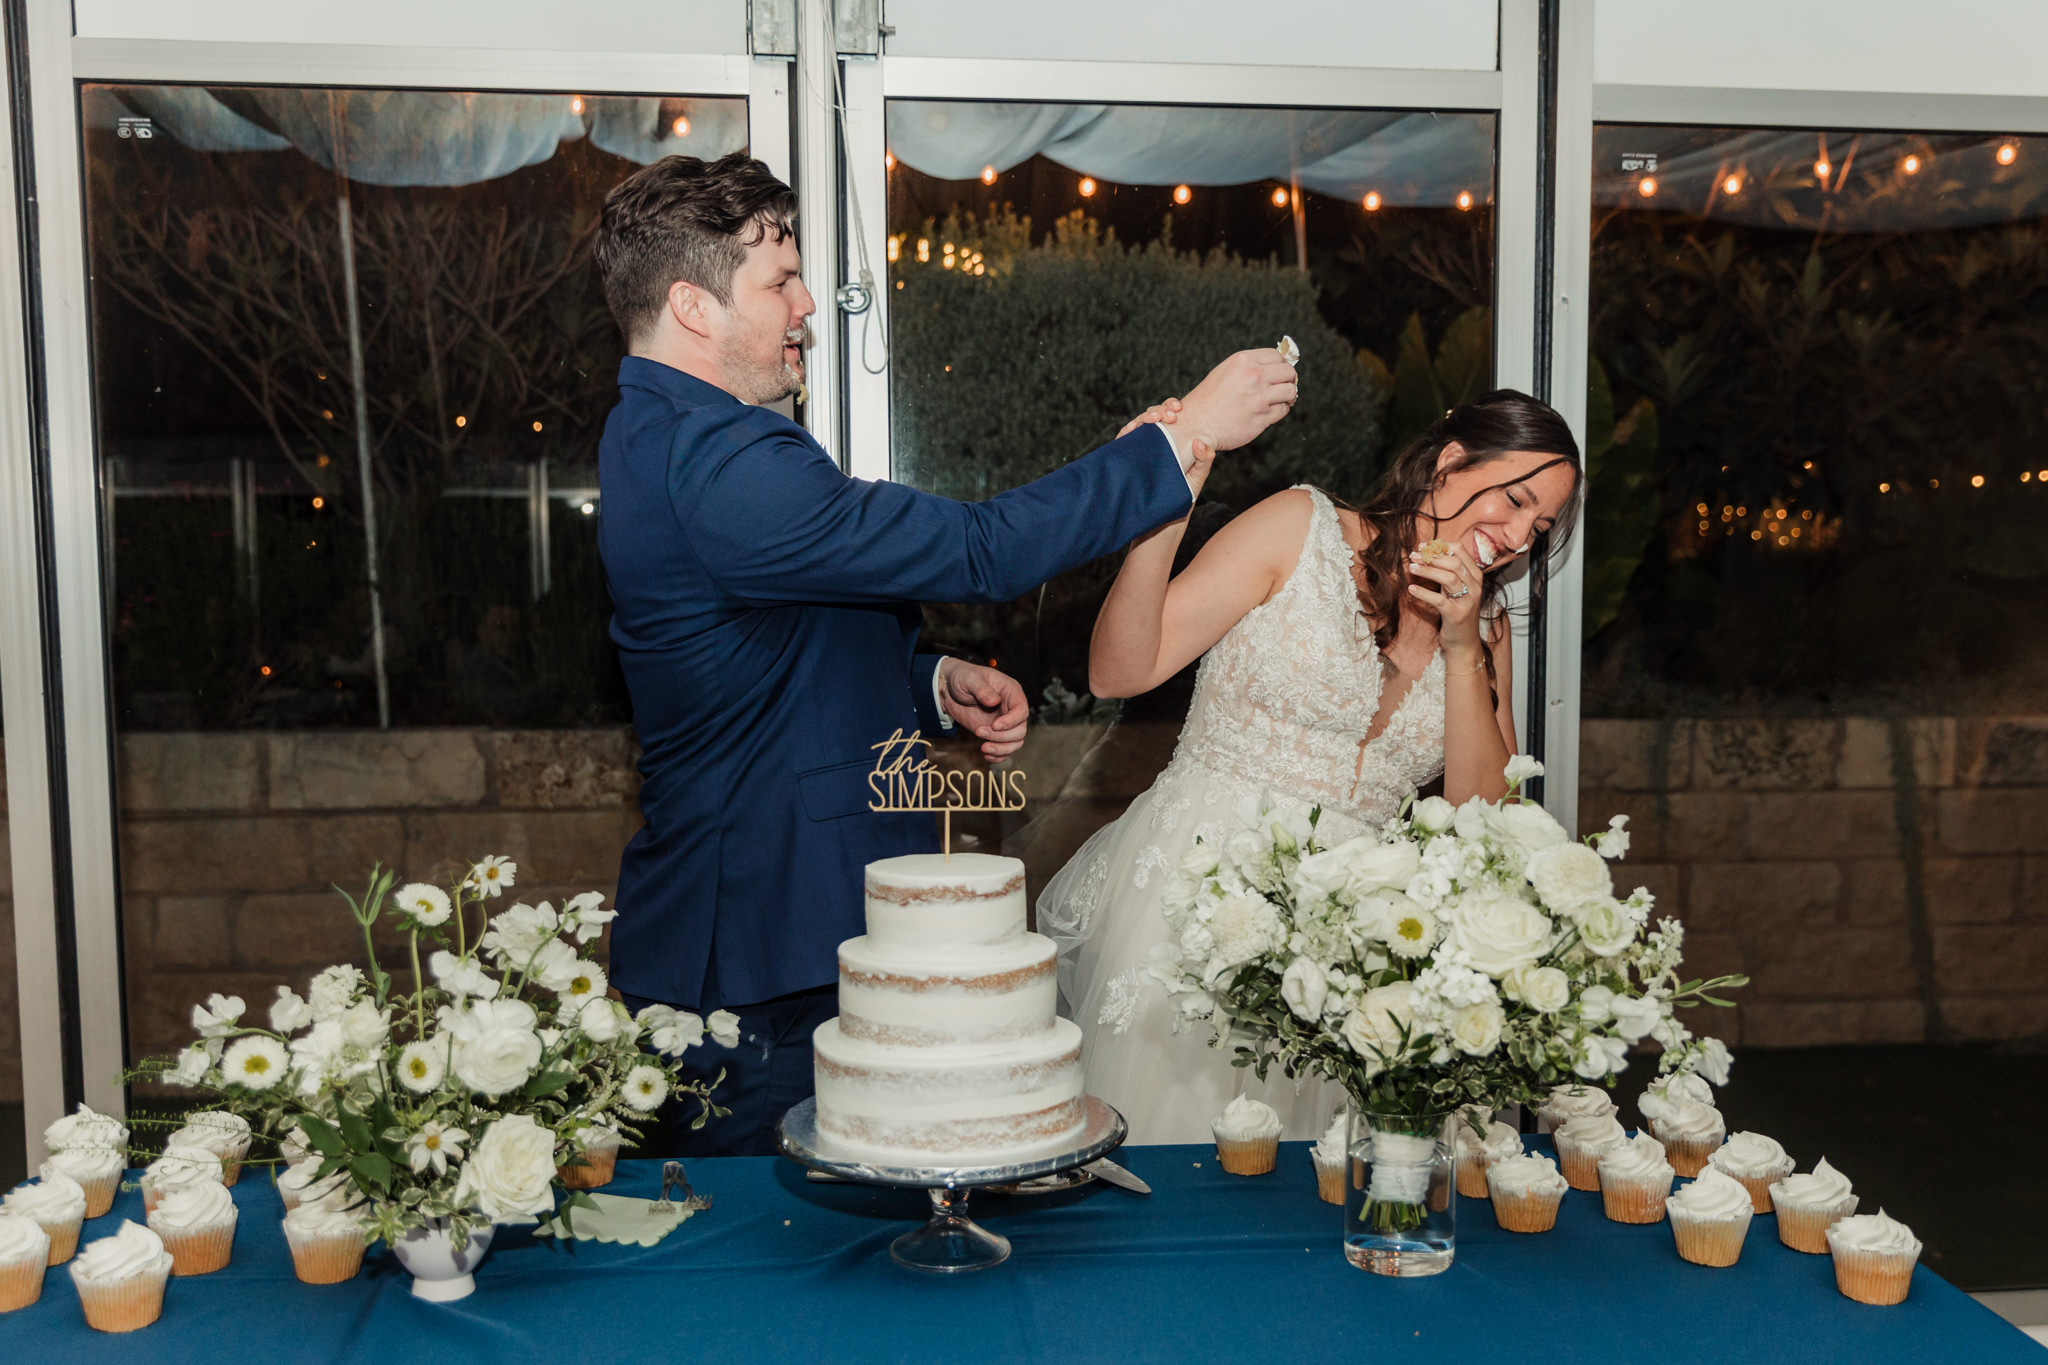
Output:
(687, 304)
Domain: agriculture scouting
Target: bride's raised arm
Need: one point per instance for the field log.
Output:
(1153, 624)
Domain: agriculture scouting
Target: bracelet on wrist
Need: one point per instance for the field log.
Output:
(1450, 672)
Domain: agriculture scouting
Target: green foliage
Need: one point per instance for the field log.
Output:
(1426, 386)
(1622, 509)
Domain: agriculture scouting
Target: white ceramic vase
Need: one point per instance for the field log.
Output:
(441, 1270)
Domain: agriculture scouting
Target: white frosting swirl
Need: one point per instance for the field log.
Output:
(221, 1119)
(1752, 1156)
(21, 1238)
(1822, 1185)
(86, 1128)
(1500, 1142)
(329, 1192)
(1575, 1101)
(1593, 1132)
(1640, 1158)
(1714, 1195)
(1246, 1118)
(1873, 1232)
(52, 1199)
(87, 1163)
(134, 1250)
(202, 1205)
(319, 1219)
(182, 1164)
(1683, 1085)
(1330, 1146)
(1530, 1173)
(220, 1139)
(1689, 1119)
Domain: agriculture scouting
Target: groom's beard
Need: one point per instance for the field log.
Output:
(758, 382)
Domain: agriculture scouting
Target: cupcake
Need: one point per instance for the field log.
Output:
(1526, 1191)
(86, 1128)
(1874, 1257)
(1690, 1131)
(303, 1184)
(225, 1135)
(1247, 1137)
(597, 1164)
(1476, 1153)
(1572, 1102)
(1581, 1142)
(179, 1165)
(295, 1146)
(1333, 1159)
(1807, 1205)
(97, 1171)
(1757, 1162)
(1635, 1180)
(120, 1279)
(54, 1203)
(24, 1255)
(326, 1240)
(1709, 1217)
(1668, 1090)
(197, 1225)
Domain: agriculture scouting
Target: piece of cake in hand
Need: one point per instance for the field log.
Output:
(197, 1225)
(1757, 1162)
(120, 1279)
(1476, 1152)
(1709, 1218)
(1635, 1180)
(1691, 1132)
(24, 1255)
(1526, 1191)
(1808, 1205)
(1874, 1257)
(1581, 1142)
(57, 1204)
(1332, 1159)
(1247, 1136)
(1569, 1102)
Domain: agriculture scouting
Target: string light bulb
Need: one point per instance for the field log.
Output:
(1821, 169)
(1464, 201)
(1647, 187)
(895, 249)
(681, 127)
(889, 161)
(1911, 165)
(1732, 185)
(588, 509)
(1279, 198)
(1087, 187)
(924, 249)
(575, 104)
(1976, 481)
(1372, 201)
(319, 503)
(536, 428)
(461, 421)
(2007, 153)
(988, 175)
(1181, 194)
(265, 670)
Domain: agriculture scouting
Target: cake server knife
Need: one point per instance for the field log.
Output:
(1105, 1169)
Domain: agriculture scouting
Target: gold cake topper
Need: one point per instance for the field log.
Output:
(906, 781)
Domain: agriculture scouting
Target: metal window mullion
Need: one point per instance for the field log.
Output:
(866, 334)
(991, 78)
(817, 187)
(1739, 107)
(1515, 280)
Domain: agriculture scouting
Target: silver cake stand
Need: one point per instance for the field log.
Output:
(951, 1241)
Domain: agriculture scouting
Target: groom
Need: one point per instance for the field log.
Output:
(765, 609)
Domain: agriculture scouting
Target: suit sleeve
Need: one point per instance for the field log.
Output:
(777, 522)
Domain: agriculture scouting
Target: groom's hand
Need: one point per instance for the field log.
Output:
(1240, 398)
(989, 704)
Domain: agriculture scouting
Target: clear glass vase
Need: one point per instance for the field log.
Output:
(1400, 1210)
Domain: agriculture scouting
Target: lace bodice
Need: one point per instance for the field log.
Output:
(1287, 698)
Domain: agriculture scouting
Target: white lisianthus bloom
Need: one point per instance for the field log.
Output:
(1605, 927)
(551, 966)
(671, 1032)
(1475, 1029)
(1305, 989)
(602, 1020)
(363, 1025)
(1636, 1015)
(724, 1027)
(1520, 769)
(1200, 862)
(427, 904)
(496, 1047)
(1613, 843)
(255, 1062)
(645, 1088)
(1498, 931)
(421, 1065)
(333, 990)
(1523, 829)
(436, 1146)
(1568, 874)
(1470, 821)
(191, 1067)
(1433, 815)
(1543, 989)
(1370, 865)
(1244, 927)
(1318, 877)
(462, 976)
(511, 1171)
(1412, 933)
(491, 877)
(218, 1016)
(288, 1013)
(1597, 1058)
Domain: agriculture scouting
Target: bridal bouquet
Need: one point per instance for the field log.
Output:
(1464, 955)
(458, 1101)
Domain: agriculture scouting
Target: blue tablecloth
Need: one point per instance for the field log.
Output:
(1211, 1267)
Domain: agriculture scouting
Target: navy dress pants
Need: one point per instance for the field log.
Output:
(765, 1075)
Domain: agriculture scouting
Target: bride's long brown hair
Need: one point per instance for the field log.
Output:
(1394, 515)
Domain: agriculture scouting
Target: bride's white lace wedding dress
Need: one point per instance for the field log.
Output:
(1295, 701)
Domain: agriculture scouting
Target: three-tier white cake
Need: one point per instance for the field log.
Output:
(947, 1051)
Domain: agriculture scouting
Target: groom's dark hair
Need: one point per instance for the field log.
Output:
(684, 219)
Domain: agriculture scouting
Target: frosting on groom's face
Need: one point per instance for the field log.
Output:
(761, 335)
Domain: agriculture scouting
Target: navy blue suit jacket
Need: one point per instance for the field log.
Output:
(765, 610)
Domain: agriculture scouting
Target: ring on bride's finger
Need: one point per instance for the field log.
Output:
(1462, 590)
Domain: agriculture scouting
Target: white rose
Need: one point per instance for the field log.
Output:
(1568, 874)
(1320, 876)
(1605, 927)
(510, 1173)
(1433, 815)
(1543, 989)
(1475, 1029)
(496, 1047)
(601, 1020)
(289, 1014)
(1498, 931)
(724, 1027)
(363, 1025)
(1374, 1029)
(1305, 989)
(1525, 828)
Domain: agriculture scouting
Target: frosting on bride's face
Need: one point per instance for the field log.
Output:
(1494, 511)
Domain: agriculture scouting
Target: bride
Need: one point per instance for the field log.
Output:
(1348, 657)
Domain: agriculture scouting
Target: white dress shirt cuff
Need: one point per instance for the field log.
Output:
(1175, 440)
(939, 694)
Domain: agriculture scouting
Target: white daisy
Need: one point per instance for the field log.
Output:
(435, 1146)
(586, 981)
(492, 876)
(646, 1088)
(1412, 934)
(422, 1064)
(255, 1062)
(427, 904)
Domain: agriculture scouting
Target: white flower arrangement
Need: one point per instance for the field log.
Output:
(462, 1099)
(1468, 955)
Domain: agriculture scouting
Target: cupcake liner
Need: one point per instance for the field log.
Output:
(122, 1305)
(1875, 1277)
(1804, 1227)
(1580, 1165)
(151, 1197)
(1330, 1178)
(1709, 1241)
(326, 1257)
(1688, 1155)
(1638, 1199)
(231, 1161)
(1248, 1156)
(1759, 1187)
(197, 1251)
(1530, 1212)
(1472, 1177)
(63, 1237)
(100, 1192)
(21, 1283)
(593, 1170)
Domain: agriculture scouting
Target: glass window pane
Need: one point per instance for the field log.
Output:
(1054, 269)
(326, 319)
(1814, 620)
